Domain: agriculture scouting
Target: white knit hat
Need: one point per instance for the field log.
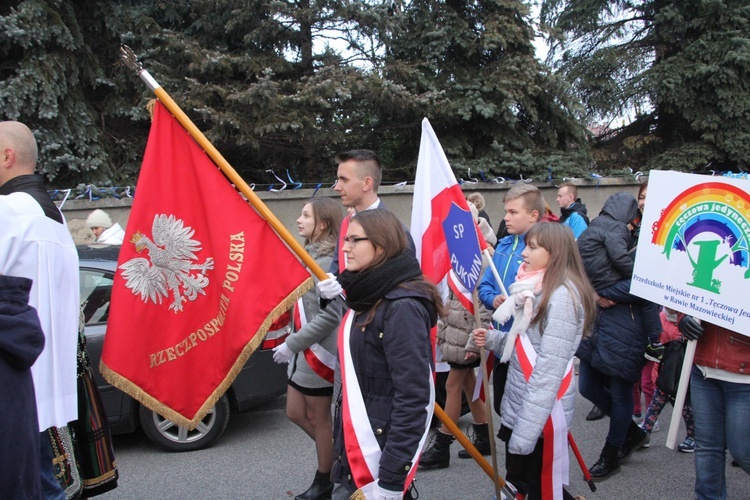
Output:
(98, 218)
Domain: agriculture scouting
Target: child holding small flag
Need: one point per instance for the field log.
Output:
(552, 305)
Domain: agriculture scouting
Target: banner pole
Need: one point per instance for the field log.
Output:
(495, 274)
(131, 61)
(679, 400)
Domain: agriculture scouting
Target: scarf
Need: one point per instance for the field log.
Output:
(520, 305)
(366, 287)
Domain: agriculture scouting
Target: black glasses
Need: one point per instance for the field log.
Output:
(353, 240)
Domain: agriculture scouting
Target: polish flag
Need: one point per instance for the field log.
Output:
(435, 188)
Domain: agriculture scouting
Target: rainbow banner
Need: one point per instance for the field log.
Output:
(694, 248)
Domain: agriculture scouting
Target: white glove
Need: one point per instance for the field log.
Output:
(330, 288)
(282, 354)
(384, 494)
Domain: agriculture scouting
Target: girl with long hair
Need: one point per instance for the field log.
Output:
(310, 349)
(553, 306)
(383, 414)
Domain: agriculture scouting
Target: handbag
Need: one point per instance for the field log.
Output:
(671, 367)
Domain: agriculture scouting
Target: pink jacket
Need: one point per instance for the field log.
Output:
(669, 330)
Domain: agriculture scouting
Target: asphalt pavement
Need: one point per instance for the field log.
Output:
(262, 455)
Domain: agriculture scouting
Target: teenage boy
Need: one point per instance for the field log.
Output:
(524, 205)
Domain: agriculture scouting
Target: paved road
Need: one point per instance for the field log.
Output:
(264, 456)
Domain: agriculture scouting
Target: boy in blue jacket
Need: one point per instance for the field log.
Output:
(524, 206)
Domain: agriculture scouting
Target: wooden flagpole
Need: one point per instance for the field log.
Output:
(131, 61)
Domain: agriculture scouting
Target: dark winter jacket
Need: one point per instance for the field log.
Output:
(575, 208)
(604, 245)
(394, 363)
(621, 334)
(575, 217)
(21, 342)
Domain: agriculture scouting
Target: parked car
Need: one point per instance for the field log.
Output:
(259, 381)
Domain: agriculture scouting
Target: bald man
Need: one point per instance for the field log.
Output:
(35, 243)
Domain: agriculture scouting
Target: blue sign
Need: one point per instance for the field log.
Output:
(463, 246)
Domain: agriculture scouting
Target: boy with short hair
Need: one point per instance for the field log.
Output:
(524, 206)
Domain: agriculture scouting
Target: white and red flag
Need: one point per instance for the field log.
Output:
(200, 278)
(435, 190)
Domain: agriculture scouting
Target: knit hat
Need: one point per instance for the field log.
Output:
(477, 199)
(98, 218)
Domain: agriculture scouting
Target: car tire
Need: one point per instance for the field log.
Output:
(168, 435)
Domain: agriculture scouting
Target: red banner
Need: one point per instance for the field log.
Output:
(200, 278)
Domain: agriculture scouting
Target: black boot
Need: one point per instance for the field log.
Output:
(634, 440)
(321, 488)
(481, 441)
(607, 464)
(595, 414)
(437, 456)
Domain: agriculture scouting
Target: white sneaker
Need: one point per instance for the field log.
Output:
(656, 427)
(648, 436)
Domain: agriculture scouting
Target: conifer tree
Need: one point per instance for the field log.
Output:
(682, 67)
(497, 108)
(58, 78)
(284, 85)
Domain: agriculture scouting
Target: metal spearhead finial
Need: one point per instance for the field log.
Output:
(130, 59)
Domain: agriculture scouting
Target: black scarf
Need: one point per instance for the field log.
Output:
(364, 288)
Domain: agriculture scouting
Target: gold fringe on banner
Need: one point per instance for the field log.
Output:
(134, 391)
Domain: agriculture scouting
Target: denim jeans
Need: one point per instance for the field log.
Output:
(722, 414)
(613, 395)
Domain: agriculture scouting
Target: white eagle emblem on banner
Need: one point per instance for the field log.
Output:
(170, 264)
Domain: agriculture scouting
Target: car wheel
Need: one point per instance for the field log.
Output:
(168, 435)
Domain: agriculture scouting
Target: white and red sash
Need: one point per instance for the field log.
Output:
(555, 463)
(362, 449)
(321, 361)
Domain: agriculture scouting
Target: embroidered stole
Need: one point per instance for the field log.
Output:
(321, 361)
(362, 449)
(555, 462)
